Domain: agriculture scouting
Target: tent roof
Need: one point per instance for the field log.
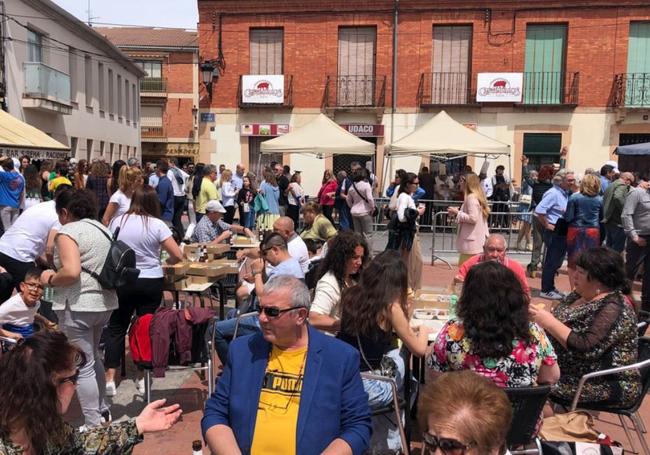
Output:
(633, 149)
(18, 137)
(321, 137)
(443, 135)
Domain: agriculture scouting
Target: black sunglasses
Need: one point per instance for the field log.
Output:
(274, 312)
(446, 445)
(71, 379)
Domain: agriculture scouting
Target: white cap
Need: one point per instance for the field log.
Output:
(16, 163)
(215, 206)
(614, 164)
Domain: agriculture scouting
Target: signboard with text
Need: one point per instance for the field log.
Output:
(499, 87)
(364, 129)
(264, 129)
(34, 153)
(263, 89)
(207, 117)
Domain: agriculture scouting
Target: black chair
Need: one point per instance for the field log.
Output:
(644, 321)
(631, 412)
(527, 405)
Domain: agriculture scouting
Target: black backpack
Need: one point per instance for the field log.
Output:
(119, 267)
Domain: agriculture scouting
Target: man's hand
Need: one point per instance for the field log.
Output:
(640, 241)
(257, 266)
(524, 160)
(564, 151)
(644, 185)
(549, 227)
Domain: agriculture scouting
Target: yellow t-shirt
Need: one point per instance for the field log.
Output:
(207, 193)
(277, 411)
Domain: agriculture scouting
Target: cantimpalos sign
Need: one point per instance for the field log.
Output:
(263, 89)
(499, 87)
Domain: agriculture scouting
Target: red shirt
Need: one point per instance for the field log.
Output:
(328, 187)
(515, 266)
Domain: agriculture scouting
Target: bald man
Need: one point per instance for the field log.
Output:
(613, 202)
(494, 249)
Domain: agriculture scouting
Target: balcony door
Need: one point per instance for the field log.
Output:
(356, 67)
(450, 64)
(637, 84)
(266, 51)
(544, 69)
(151, 122)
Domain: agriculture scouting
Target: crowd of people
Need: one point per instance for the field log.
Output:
(324, 310)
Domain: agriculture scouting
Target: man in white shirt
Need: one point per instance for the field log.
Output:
(178, 178)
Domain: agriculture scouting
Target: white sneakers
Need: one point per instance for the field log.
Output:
(552, 295)
(111, 389)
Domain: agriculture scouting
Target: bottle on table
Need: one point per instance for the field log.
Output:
(197, 447)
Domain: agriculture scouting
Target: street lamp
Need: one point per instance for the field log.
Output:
(208, 72)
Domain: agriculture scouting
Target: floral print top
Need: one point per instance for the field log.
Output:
(453, 351)
(603, 335)
(115, 439)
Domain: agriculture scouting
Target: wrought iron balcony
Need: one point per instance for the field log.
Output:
(551, 88)
(288, 95)
(441, 89)
(152, 132)
(46, 83)
(631, 90)
(355, 92)
(153, 86)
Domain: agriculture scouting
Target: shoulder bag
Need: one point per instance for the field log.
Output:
(375, 211)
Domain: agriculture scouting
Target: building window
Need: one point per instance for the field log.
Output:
(88, 70)
(356, 66)
(102, 148)
(637, 82)
(73, 70)
(127, 101)
(34, 46)
(134, 94)
(120, 101)
(101, 90)
(544, 69)
(111, 93)
(542, 148)
(450, 65)
(266, 51)
(152, 68)
(89, 149)
(74, 143)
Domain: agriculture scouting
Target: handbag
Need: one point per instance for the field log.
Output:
(387, 366)
(375, 211)
(576, 426)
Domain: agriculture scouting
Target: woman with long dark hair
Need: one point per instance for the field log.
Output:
(374, 312)
(142, 229)
(594, 328)
(46, 366)
(113, 181)
(98, 183)
(192, 189)
(492, 334)
(32, 187)
(245, 197)
(346, 255)
(80, 175)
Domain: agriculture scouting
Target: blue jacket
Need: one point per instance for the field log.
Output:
(166, 195)
(333, 403)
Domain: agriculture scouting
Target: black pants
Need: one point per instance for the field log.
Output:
(635, 256)
(143, 297)
(327, 211)
(179, 206)
(293, 212)
(229, 216)
(17, 270)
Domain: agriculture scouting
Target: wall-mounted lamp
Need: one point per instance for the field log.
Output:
(209, 70)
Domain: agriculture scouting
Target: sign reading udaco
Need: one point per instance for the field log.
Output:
(365, 129)
(499, 87)
(263, 89)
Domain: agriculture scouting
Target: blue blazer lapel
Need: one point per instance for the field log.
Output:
(259, 358)
(310, 382)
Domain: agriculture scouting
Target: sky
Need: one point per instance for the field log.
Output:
(154, 13)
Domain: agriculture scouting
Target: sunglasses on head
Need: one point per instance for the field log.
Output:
(274, 312)
(71, 379)
(447, 446)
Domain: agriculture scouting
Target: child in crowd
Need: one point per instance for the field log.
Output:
(19, 313)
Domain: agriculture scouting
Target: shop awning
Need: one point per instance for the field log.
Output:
(633, 149)
(321, 137)
(444, 136)
(18, 138)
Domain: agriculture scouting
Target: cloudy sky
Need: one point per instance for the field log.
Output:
(160, 13)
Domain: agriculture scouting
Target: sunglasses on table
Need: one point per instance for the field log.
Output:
(447, 446)
(274, 312)
(71, 379)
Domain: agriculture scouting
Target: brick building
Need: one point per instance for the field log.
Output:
(169, 90)
(579, 70)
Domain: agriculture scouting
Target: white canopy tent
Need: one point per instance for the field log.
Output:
(321, 137)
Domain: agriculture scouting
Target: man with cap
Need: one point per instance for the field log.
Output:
(212, 229)
(607, 173)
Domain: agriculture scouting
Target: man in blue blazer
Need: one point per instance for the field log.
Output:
(290, 389)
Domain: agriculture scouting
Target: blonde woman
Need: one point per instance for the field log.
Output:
(471, 218)
(129, 179)
(583, 213)
(228, 193)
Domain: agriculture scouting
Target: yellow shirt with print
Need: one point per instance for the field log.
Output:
(277, 411)
(207, 193)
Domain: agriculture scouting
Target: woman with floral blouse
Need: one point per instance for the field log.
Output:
(492, 334)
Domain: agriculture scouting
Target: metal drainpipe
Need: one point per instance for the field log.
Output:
(389, 162)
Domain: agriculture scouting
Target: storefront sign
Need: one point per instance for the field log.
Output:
(181, 149)
(364, 129)
(264, 129)
(207, 117)
(37, 154)
(263, 89)
(499, 87)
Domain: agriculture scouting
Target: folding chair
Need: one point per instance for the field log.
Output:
(527, 405)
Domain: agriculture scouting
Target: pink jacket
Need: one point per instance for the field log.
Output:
(472, 227)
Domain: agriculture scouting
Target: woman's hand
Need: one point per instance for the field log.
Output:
(156, 418)
(453, 211)
(540, 315)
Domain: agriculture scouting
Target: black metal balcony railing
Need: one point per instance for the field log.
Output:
(631, 90)
(551, 88)
(355, 91)
(288, 95)
(153, 85)
(445, 89)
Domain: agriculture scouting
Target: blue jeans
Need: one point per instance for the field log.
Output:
(345, 218)
(615, 237)
(555, 252)
(385, 433)
(225, 329)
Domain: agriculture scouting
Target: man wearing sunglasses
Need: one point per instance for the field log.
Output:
(289, 389)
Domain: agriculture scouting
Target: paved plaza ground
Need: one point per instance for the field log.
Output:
(190, 389)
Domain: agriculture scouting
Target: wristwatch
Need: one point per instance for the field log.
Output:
(49, 281)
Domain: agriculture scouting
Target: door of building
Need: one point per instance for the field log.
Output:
(256, 161)
(639, 165)
(342, 162)
(542, 148)
(450, 64)
(544, 69)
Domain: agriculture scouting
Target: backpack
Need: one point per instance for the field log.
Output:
(119, 266)
(140, 341)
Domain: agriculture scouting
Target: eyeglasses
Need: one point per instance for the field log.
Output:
(274, 312)
(446, 445)
(34, 287)
(71, 379)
